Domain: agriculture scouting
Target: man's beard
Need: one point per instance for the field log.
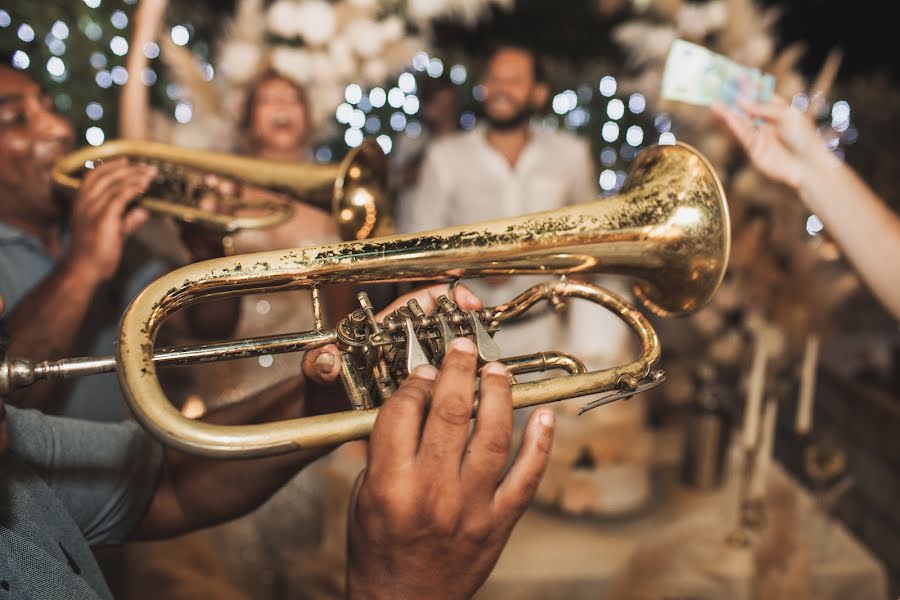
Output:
(514, 121)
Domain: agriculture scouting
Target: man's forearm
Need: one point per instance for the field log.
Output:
(865, 228)
(197, 492)
(45, 323)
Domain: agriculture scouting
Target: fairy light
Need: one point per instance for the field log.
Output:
(608, 156)
(615, 109)
(610, 131)
(353, 93)
(637, 103)
(59, 30)
(608, 180)
(20, 60)
(577, 118)
(323, 154)
(814, 225)
(119, 75)
(94, 111)
(398, 121)
(608, 86)
(119, 20)
(667, 138)
(98, 60)
(118, 45)
(93, 31)
(395, 98)
(407, 83)
(151, 50)
(467, 120)
(184, 112)
(458, 74)
(353, 137)
(377, 97)
(373, 124)
(420, 61)
(435, 68)
(180, 35)
(343, 113)
(92, 3)
(56, 67)
(663, 123)
(25, 32)
(56, 46)
(5, 19)
(411, 105)
(634, 135)
(386, 143)
(357, 119)
(94, 136)
(103, 78)
(148, 76)
(413, 129)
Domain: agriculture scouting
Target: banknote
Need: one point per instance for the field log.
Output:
(697, 75)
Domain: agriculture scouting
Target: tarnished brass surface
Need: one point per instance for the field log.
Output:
(669, 230)
(354, 191)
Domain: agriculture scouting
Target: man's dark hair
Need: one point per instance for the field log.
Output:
(540, 72)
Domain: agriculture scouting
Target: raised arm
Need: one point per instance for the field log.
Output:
(783, 144)
(134, 103)
(44, 323)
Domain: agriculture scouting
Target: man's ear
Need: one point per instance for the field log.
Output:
(539, 96)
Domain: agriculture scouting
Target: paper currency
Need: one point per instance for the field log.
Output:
(696, 75)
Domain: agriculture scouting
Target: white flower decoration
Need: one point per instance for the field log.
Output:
(293, 63)
(283, 19)
(240, 61)
(316, 22)
(365, 37)
(392, 29)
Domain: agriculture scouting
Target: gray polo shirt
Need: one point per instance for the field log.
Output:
(66, 485)
(24, 263)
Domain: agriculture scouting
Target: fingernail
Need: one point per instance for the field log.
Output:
(425, 372)
(325, 362)
(546, 418)
(496, 368)
(463, 344)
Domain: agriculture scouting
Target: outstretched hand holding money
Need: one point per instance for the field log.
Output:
(781, 142)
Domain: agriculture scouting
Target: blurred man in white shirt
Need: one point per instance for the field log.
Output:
(507, 168)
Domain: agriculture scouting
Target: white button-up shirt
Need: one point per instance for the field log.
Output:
(464, 180)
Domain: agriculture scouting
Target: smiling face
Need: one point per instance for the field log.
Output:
(512, 90)
(278, 116)
(32, 139)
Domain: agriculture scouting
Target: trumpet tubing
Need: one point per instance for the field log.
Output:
(353, 191)
(669, 230)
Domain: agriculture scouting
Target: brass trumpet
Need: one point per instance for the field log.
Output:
(669, 230)
(354, 191)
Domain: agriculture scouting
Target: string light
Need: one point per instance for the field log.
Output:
(94, 111)
(353, 137)
(353, 93)
(373, 124)
(20, 60)
(180, 35)
(5, 20)
(98, 60)
(610, 131)
(93, 31)
(386, 143)
(343, 113)
(184, 112)
(458, 74)
(103, 78)
(94, 136)
(395, 98)
(119, 20)
(398, 121)
(151, 50)
(814, 225)
(411, 105)
(608, 86)
(435, 67)
(377, 97)
(667, 138)
(56, 67)
(59, 30)
(25, 32)
(420, 61)
(148, 76)
(118, 45)
(119, 75)
(637, 103)
(92, 3)
(407, 83)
